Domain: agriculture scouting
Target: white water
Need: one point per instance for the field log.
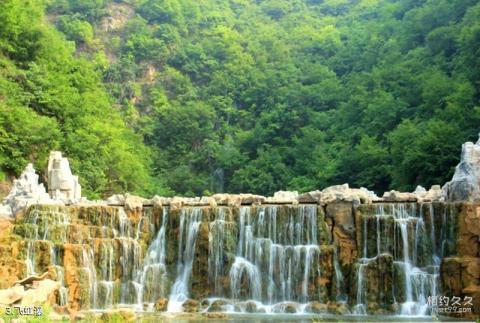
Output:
(190, 220)
(152, 280)
(271, 261)
(216, 237)
(54, 219)
(419, 282)
(274, 267)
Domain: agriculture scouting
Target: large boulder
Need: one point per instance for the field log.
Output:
(465, 184)
(42, 292)
(343, 193)
(160, 201)
(134, 202)
(34, 290)
(62, 185)
(26, 190)
(310, 197)
(284, 197)
(434, 194)
(116, 199)
(339, 193)
(396, 196)
(11, 295)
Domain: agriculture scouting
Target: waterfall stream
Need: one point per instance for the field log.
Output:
(190, 220)
(262, 259)
(415, 264)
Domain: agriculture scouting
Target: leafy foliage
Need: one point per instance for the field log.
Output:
(243, 95)
(50, 99)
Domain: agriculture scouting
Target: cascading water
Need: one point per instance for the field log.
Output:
(273, 263)
(152, 280)
(340, 297)
(269, 258)
(415, 258)
(42, 226)
(190, 220)
(216, 252)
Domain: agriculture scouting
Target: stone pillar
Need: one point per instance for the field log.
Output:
(62, 185)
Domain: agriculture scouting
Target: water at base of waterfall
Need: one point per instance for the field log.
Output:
(266, 317)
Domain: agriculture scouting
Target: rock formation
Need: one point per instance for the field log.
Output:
(283, 197)
(36, 290)
(460, 273)
(339, 193)
(5, 212)
(465, 184)
(434, 194)
(62, 185)
(25, 191)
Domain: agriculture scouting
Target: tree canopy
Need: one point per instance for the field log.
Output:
(196, 97)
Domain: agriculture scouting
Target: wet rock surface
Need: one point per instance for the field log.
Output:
(161, 305)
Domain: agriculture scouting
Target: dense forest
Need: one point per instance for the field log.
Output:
(195, 97)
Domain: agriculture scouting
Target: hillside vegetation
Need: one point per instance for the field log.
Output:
(195, 97)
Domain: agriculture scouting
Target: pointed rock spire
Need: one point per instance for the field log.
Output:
(465, 184)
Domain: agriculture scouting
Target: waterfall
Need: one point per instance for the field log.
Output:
(339, 282)
(152, 279)
(190, 220)
(275, 263)
(360, 307)
(260, 258)
(216, 237)
(90, 270)
(414, 261)
(240, 267)
(42, 224)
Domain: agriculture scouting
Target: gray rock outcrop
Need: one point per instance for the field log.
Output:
(26, 191)
(465, 184)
